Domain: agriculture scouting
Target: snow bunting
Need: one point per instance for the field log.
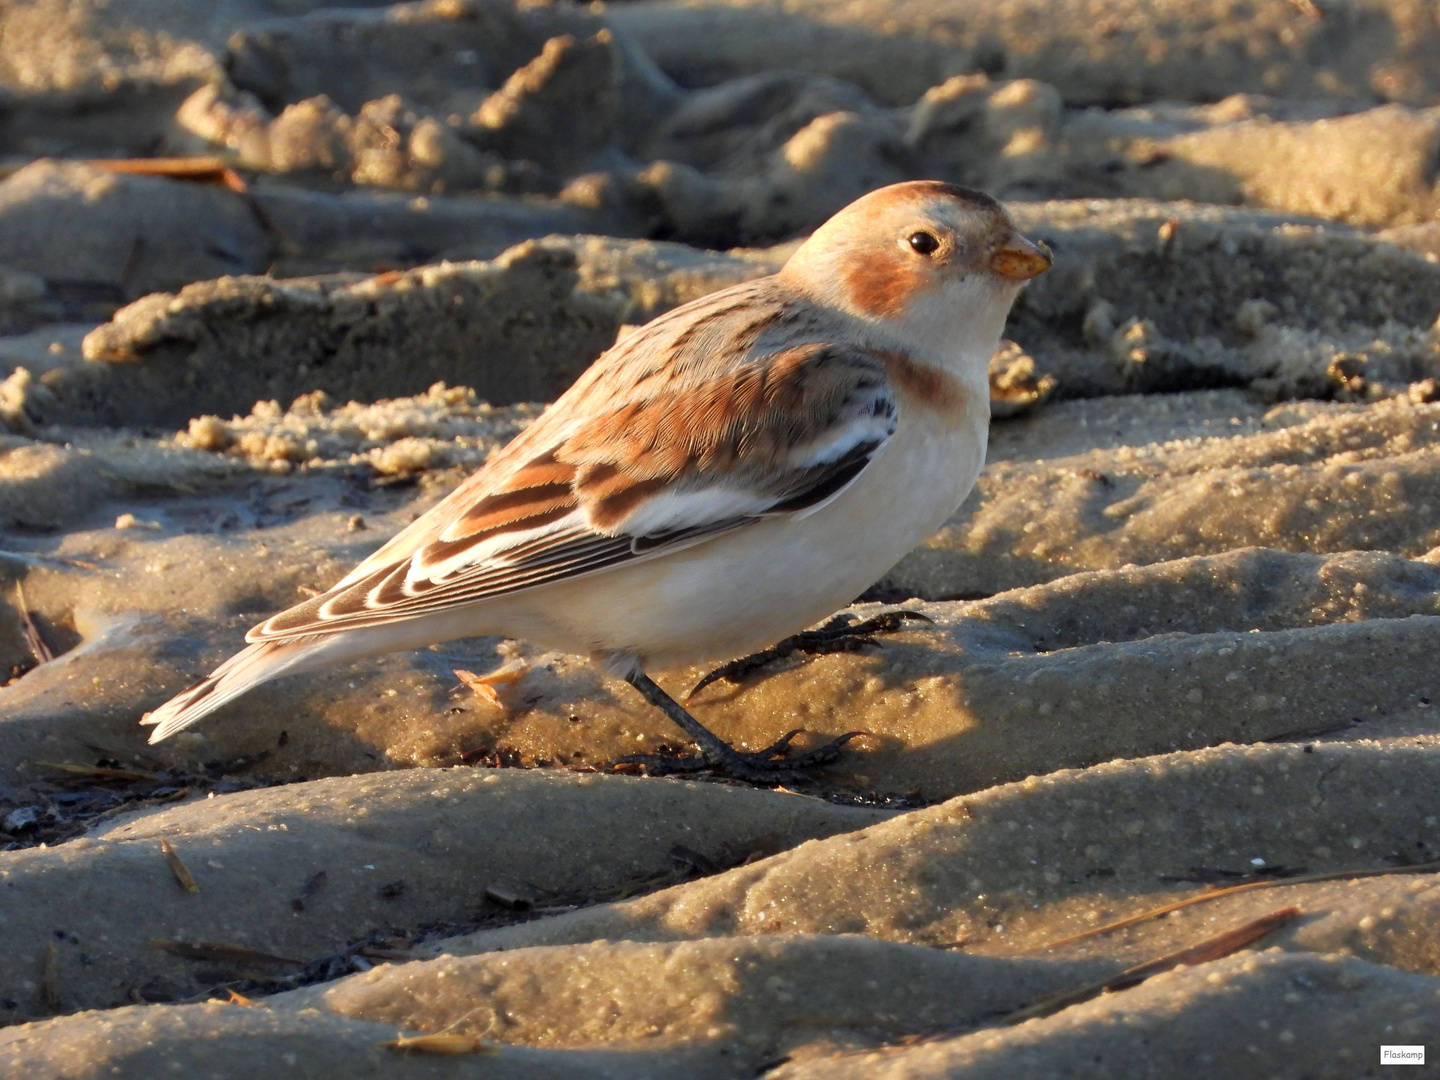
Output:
(729, 473)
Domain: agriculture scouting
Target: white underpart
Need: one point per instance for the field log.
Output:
(750, 587)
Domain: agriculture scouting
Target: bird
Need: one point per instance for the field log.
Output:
(731, 472)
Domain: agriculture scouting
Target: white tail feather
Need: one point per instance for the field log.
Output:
(244, 671)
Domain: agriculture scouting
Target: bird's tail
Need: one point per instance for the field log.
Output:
(247, 669)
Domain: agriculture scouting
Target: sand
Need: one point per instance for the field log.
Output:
(1180, 637)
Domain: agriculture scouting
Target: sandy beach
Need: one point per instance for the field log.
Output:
(1151, 790)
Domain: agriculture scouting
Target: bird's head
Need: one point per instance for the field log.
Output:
(937, 264)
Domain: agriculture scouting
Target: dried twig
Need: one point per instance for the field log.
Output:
(444, 1041)
(297, 902)
(178, 868)
(399, 956)
(218, 952)
(28, 558)
(202, 170)
(98, 772)
(441, 1044)
(36, 643)
(50, 980)
(1216, 894)
(205, 170)
(1311, 732)
(1214, 948)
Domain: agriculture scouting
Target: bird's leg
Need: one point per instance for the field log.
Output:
(840, 634)
(768, 766)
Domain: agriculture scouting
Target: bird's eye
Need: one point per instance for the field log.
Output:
(923, 242)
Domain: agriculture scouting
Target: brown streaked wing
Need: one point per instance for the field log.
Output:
(653, 360)
(740, 425)
(538, 494)
(734, 431)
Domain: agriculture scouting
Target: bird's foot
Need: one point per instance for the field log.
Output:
(769, 766)
(843, 633)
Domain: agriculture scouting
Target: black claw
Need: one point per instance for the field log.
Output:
(780, 746)
(841, 634)
(830, 752)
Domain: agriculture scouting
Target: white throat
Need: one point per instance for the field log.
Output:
(956, 327)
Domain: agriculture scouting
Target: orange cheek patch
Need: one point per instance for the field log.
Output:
(881, 286)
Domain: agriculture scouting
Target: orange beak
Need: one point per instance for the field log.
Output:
(1021, 260)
